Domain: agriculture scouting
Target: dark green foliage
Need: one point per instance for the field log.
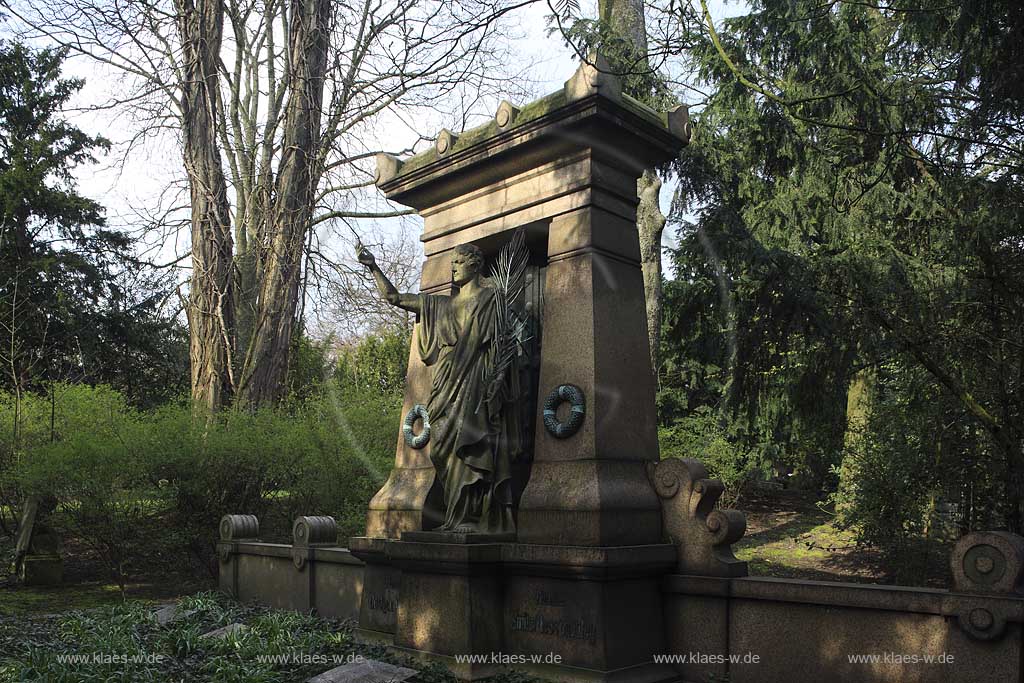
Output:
(142, 488)
(309, 366)
(852, 199)
(377, 363)
(914, 470)
(34, 652)
(75, 303)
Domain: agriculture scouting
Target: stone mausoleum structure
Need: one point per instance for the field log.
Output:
(528, 520)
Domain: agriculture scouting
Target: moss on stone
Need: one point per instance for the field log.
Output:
(473, 136)
(530, 112)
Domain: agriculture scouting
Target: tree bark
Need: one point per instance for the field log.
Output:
(266, 361)
(650, 224)
(626, 18)
(211, 305)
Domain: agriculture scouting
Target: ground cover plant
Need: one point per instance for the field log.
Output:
(126, 643)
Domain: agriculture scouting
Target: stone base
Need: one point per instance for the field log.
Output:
(378, 609)
(456, 537)
(567, 613)
(42, 570)
(368, 636)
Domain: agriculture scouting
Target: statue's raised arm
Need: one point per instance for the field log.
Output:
(410, 302)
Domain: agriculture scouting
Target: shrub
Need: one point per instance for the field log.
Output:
(154, 484)
(91, 466)
(700, 435)
(915, 454)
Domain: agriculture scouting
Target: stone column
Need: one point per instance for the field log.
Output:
(592, 488)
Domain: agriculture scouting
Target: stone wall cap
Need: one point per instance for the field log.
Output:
(651, 136)
(332, 555)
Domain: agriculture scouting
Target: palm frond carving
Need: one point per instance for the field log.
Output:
(507, 277)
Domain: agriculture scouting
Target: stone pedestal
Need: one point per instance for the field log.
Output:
(450, 604)
(569, 613)
(42, 570)
(574, 594)
(378, 611)
(597, 609)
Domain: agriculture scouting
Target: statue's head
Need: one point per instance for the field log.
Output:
(467, 263)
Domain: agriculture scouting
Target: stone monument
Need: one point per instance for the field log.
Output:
(37, 552)
(528, 522)
(465, 555)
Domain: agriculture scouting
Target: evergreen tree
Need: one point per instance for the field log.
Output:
(856, 177)
(74, 304)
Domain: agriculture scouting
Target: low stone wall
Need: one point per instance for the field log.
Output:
(717, 628)
(764, 629)
(304, 576)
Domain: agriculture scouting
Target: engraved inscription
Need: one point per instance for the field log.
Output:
(573, 629)
(549, 599)
(386, 602)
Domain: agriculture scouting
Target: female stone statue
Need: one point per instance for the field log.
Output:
(474, 430)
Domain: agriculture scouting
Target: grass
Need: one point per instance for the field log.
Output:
(791, 535)
(124, 643)
(23, 601)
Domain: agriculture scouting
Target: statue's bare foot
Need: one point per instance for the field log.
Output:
(465, 528)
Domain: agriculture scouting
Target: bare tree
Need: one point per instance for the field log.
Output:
(280, 106)
(351, 306)
(626, 18)
(211, 304)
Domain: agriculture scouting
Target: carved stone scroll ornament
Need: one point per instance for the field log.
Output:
(236, 528)
(990, 563)
(703, 535)
(312, 532)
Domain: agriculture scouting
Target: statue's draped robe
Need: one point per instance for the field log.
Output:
(471, 448)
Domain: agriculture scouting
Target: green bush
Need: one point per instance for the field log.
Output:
(905, 464)
(91, 466)
(152, 485)
(701, 436)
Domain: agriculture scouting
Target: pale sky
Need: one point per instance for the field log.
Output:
(130, 183)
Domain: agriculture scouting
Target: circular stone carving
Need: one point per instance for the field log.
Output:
(988, 562)
(578, 410)
(314, 530)
(981, 619)
(984, 564)
(236, 527)
(417, 441)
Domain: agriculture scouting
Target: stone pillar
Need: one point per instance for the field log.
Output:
(592, 488)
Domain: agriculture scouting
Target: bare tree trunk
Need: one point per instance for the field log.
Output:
(266, 362)
(211, 306)
(650, 223)
(626, 18)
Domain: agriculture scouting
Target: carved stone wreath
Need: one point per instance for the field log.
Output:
(417, 441)
(577, 411)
